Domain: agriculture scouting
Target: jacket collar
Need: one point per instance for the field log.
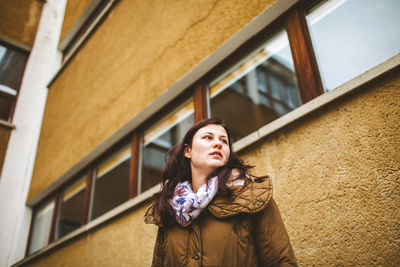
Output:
(251, 197)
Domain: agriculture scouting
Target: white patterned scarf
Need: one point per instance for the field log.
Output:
(187, 204)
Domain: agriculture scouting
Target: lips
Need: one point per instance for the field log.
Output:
(216, 153)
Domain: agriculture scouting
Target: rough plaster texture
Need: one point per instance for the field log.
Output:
(19, 20)
(73, 11)
(336, 178)
(4, 137)
(126, 241)
(138, 52)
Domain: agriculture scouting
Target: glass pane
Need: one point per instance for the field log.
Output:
(41, 227)
(12, 65)
(71, 208)
(5, 107)
(350, 37)
(261, 88)
(112, 182)
(158, 139)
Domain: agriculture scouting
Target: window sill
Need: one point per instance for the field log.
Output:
(7, 124)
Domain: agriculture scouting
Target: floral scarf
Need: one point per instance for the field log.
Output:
(187, 204)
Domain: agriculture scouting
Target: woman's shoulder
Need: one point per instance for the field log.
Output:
(235, 179)
(152, 216)
(250, 197)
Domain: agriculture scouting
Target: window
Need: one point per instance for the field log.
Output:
(70, 215)
(159, 138)
(352, 36)
(12, 66)
(262, 87)
(111, 185)
(40, 232)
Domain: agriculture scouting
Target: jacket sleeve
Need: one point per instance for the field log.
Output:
(158, 248)
(271, 239)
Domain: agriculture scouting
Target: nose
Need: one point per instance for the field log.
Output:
(217, 144)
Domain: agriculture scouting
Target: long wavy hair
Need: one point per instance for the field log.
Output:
(177, 169)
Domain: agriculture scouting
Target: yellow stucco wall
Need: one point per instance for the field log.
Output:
(139, 51)
(19, 20)
(336, 180)
(5, 133)
(73, 11)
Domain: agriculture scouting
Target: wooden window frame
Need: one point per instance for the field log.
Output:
(201, 103)
(88, 196)
(305, 64)
(54, 219)
(134, 165)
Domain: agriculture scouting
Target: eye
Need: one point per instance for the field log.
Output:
(208, 137)
(225, 141)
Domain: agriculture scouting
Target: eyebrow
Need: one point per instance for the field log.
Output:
(214, 134)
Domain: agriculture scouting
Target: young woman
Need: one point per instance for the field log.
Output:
(211, 211)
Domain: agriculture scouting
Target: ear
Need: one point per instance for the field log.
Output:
(186, 151)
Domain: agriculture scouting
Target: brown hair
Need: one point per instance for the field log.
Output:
(177, 169)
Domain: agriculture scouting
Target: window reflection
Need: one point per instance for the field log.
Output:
(111, 186)
(158, 139)
(352, 36)
(40, 232)
(262, 88)
(71, 208)
(12, 65)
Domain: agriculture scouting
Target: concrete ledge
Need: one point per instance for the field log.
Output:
(7, 124)
(78, 24)
(15, 43)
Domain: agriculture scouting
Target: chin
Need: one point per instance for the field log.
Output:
(217, 165)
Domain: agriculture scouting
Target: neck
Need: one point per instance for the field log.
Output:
(198, 178)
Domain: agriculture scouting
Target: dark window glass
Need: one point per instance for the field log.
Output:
(6, 105)
(158, 139)
(12, 65)
(71, 208)
(261, 88)
(111, 185)
(351, 36)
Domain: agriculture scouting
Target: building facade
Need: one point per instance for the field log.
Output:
(310, 90)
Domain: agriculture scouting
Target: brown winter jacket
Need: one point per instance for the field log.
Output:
(244, 230)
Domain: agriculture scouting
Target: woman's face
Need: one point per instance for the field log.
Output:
(210, 148)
